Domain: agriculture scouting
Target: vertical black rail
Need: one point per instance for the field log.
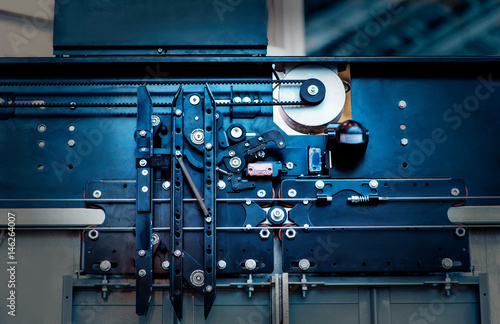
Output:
(177, 212)
(210, 183)
(143, 253)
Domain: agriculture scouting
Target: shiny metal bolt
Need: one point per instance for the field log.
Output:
(264, 234)
(160, 50)
(42, 128)
(208, 146)
(277, 215)
(142, 273)
(72, 105)
(447, 263)
(247, 100)
(221, 185)
(221, 264)
(145, 172)
(304, 264)
(305, 202)
(404, 141)
(248, 202)
(247, 144)
(260, 138)
(290, 233)
(232, 153)
(312, 90)
(248, 227)
(455, 192)
(235, 162)
(292, 193)
(41, 144)
(97, 194)
(194, 100)
(71, 143)
(319, 184)
(178, 112)
(236, 99)
(155, 239)
(177, 253)
(208, 219)
(289, 165)
(460, 232)
(143, 133)
(165, 185)
(71, 128)
(209, 289)
(144, 189)
(165, 265)
(236, 132)
(155, 120)
(141, 253)
(261, 193)
(143, 163)
(402, 104)
(93, 234)
(250, 264)
(197, 278)
(105, 265)
(373, 184)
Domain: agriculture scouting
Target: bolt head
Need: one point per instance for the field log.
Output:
(178, 112)
(235, 162)
(304, 264)
(42, 128)
(260, 138)
(264, 234)
(447, 263)
(165, 265)
(145, 172)
(194, 100)
(165, 185)
(402, 104)
(236, 132)
(248, 202)
(455, 192)
(277, 215)
(160, 50)
(373, 184)
(143, 162)
(71, 143)
(247, 99)
(221, 185)
(232, 153)
(289, 165)
(306, 226)
(105, 265)
(305, 202)
(247, 144)
(72, 105)
(97, 194)
(292, 193)
(261, 193)
(236, 99)
(404, 141)
(248, 226)
(290, 234)
(144, 189)
(208, 288)
(177, 253)
(208, 146)
(142, 273)
(221, 264)
(208, 219)
(250, 264)
(312, 90)
(155, 120)
(141, 253)
(142, 133)
(319, 184)
(155, 239)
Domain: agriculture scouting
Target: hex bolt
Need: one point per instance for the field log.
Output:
(165, 185)
(221, 264)
(304, 264)
(404, 141)
(290, 233)
(142, 133)
(105, 265)
(208, 146)
(250, 264)
(71, 143)
(177, 253)
(144, 189)
(143, 163)
(221, 185)
(292, 193)
(373, 184)
(165, 265)
(460, 232)
(264, 234)
(155, 239)
(248, 227)
(178, 112)
(319, 184)
(93, 234)
(289, 165)
(97, 194)
(145, 172)
(447, 263)
(402, 104)
(312, 90)
(248, 202)
(209, 289)
(141, 253)
(261, 193)
(455, 192)
(142, 273)
(277, 215)
(194, 100)
(42, 128)
(236, 132)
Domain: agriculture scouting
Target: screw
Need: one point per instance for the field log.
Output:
(97, 194)
(72, 105)
(143, 162)
(250, 264)
(143, 149)
(144, 189)
(178, 153)
(455, 192)
(155, 239)
(289, 165)
(177, 253)
(248, 202)
(194, 100)
(373, 184)
(155, 120)
(248, 227)
(41, 144)
(306, 226)
(142, 273)
(208, 219)
(221, 264)
(209, 288)
(247, 144)
(105, 265)
(165, 265)
(145, 172)
(71, 128)
(261, 193)
(260, 138)
(304, 264)
(236, 132)
(221, 185)
(402, 104)
(305, 202)
(319, 184)
(142, 133)
(312, 90)
(165, 185)
(71, 143)
(447, 263)
(235, 162)
(42, 128)
(142, 253)
(208, 146)
(292, 193)
(232, 153)
(178, 112)
(264, 234)
(160, 50)
(404, 141)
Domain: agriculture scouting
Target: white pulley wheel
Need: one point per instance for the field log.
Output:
(312, 119)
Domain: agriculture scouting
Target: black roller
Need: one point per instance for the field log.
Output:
(312, 91)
